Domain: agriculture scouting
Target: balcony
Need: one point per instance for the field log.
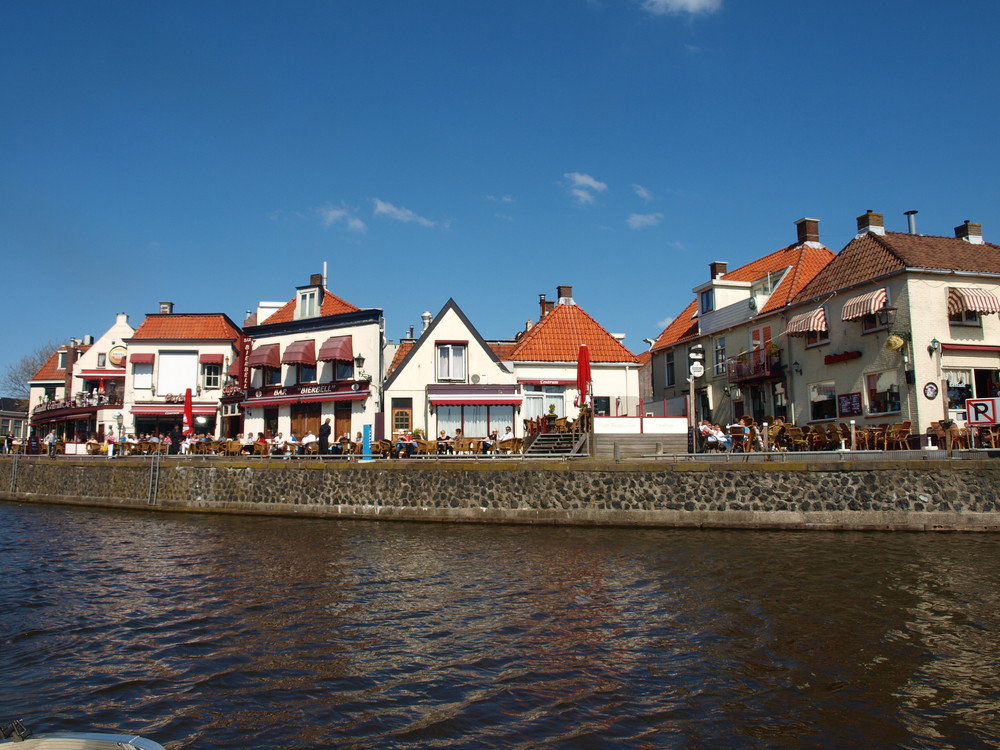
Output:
(75, 406)
(755, 365)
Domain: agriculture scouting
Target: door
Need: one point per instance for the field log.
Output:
(305, 419)
(342, 419)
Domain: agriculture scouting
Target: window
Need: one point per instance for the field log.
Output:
(720, 355)
(62, 360)
(823, 400)
(142, 376)
(883, 391)
(965, 318)
(178, 372)
(670, 378)
(815, 338)
(873, 322)
(102, 360)
(271, 375)
(211, 376)
(767, 284)
(402, 414)
(343, 370)
(451, 362)
(538, 399)
(307, 373)
(307, 303)
(707, 303)
(959, 387)
(4, 426)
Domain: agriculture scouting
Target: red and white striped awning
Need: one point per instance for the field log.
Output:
(814, 320)
(964, 299)
(866, 304)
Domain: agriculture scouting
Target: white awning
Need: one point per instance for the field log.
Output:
(814, 320)
(866, 304)
(964, 299)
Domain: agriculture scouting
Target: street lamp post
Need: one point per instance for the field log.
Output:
(119, 420)
(695, 371)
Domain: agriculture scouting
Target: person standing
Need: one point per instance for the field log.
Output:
(176, 438)
(50, 442)
(324, 437)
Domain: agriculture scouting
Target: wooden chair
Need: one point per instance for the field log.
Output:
(463, 445)
(427, 447)
(797, 440)
(738, 437)
(878, 435)
(898, 438)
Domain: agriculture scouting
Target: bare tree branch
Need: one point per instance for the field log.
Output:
(14, 381)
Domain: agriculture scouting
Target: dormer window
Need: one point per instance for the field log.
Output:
(707, 301)
(62, 360)
(308, 303)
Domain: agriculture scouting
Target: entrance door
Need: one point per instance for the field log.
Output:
(305, 419)
(342, 419)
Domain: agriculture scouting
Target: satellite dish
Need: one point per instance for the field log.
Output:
(753, 303)
(894, 343)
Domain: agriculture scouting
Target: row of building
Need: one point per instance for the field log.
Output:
(292, 365)
(897, 326)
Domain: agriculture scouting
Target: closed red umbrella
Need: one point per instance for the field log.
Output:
(100, 387)
(188, 421)
(583, 375)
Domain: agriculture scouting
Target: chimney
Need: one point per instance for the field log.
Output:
(872, 222)
(970, 232)
(911, 221)
(565, 294)
(166, 308)
(541, 306)
(316, 279)
(808, 230)
(411, 333)
(88, 340)
(426, 318)
(718, 268)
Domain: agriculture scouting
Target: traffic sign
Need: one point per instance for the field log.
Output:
(982, 411)
(697, 369)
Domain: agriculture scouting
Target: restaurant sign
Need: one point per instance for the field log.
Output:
(117, 356)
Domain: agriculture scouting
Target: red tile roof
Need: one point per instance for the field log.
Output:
(503, 349)
(50, 370)
(332, 305)
(803, 261)
(187, 327)
(402, 350)
(557, 338)
(871, 256)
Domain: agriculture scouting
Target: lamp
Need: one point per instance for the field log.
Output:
(933, 347)
(796, 368)
(119, 420)
(886, 316)
(359, 361)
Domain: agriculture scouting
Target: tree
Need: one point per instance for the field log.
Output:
(14, 382)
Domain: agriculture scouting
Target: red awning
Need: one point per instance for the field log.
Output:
(142, 359)
(236, 367)
(476, 401)
(265, 356)
(300, 353)
(211, 359)
(810, 321)
(339, 348)
(865, 304)
(964, 299)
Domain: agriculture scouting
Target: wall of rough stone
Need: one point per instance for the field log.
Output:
(916, 495)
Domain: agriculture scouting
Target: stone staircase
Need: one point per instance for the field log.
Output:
(557, 444)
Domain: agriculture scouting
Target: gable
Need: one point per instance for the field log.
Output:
(557, 338)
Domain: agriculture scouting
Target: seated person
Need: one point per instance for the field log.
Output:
(444, 443)
(405, 443)
(508, 434)
(490, 442)
(278, 445)
(309, 438)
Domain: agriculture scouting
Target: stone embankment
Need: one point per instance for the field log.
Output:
(884, 495)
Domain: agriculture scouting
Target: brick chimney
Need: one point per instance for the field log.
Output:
(316, 279)
(970, 232)
(808, 230)
(565, 294)
(718, 268)
(872, 222)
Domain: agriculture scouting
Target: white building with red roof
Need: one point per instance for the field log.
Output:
(169, 353)
(312, 358)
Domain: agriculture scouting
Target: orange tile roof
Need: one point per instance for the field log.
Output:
(871, 256)
(503, 349)
(51, 370)
(557, 338)
(803, 261)
(186, 327)
(402, 350)
(332, 305)
(684, 326)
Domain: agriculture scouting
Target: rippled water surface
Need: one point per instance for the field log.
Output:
(241, 632)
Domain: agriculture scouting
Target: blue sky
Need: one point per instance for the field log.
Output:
(215, 154)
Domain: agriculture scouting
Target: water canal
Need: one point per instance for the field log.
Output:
(206, 631)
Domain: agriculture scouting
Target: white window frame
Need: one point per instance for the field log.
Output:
(720, 355)
(451, 362)
(814, 388)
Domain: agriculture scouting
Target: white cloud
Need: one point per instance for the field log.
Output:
(643, 193)
(583, 186)
(664, 323)
(662, 7)
(500, 198)
(638, 221)
(401, 214)
(331, 215)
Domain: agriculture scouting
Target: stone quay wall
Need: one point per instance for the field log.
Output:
(861, 495)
